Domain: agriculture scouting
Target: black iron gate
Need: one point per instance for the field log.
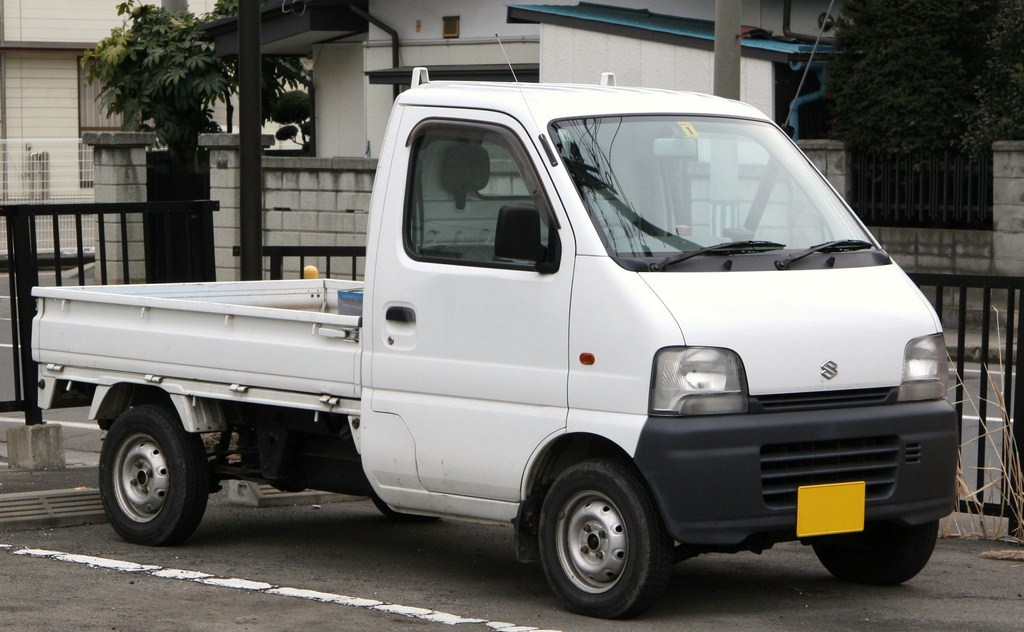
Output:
(981, 316)
(81, 244)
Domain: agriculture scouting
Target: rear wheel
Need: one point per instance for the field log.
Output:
(603, 547)
(883, 554)
(154, 477)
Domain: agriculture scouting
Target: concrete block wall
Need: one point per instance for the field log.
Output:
(224, 182)
(119, 160)
(1008, 208)
(306, 202)
(316, 202)
(997, 252)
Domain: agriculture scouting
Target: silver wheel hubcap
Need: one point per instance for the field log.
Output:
(142, 478)
(591, 542)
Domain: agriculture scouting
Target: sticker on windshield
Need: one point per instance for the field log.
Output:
(688, 129)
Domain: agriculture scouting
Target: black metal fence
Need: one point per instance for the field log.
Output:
(85, 244)
(331, 258)
(981, 316)
(943, 190)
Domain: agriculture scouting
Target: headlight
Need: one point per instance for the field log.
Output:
(925, 369)
(697, 381)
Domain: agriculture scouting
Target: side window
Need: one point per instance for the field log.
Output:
(473, 199)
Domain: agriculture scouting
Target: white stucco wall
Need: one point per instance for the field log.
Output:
(40, 89)
(84, 21)
(564, 55)
(341, 100)
(42, 96)
(78, 21)
(575, 56)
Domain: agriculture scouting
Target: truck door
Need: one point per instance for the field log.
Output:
(470, 302)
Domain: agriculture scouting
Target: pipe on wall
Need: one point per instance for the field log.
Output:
(395, 62)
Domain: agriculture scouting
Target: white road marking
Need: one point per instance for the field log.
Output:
(233, 582)
(412, 612)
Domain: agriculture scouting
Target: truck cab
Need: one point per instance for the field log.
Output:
(650, 280)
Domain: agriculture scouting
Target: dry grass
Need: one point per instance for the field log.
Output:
(1008, 555)
(1002, 483)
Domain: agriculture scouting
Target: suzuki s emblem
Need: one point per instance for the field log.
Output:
(829, 370)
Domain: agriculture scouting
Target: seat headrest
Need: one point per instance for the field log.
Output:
(465, 168)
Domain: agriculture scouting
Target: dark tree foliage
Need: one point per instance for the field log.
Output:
(1000, 112)
(158, 70)
(160, 74)
(292, 111)
(278, 74)
(904, 78)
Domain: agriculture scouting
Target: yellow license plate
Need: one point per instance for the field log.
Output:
(830, 509)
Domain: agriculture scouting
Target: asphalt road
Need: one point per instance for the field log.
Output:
(451, 569)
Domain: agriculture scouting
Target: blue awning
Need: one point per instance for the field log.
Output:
(669, 29)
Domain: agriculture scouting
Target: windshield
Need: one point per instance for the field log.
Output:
(657, 186)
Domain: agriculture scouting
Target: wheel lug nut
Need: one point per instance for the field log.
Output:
(600, 555)
(601, 534)
(587, 528)
(584, 549)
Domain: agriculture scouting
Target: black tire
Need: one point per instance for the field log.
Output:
(154, 477)
(397, 516)
(603, 547)
(884, 554)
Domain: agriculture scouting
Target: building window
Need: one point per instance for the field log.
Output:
(90, 114)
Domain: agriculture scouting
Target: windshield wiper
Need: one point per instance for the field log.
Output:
(728, 248)
(839, 245)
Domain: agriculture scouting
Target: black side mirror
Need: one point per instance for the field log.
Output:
(517, 236)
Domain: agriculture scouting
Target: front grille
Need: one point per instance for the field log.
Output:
(789, 402)
(786, 467)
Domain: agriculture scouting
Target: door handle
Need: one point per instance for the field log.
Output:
(401, 314)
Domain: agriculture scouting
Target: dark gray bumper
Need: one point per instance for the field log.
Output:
(724, 480)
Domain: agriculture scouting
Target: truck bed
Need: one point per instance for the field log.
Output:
(282, 337)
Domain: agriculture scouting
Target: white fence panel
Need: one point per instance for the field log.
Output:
(49, 171)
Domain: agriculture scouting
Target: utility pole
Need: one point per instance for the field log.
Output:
(728, 22)
(250, 158)
(178, 6)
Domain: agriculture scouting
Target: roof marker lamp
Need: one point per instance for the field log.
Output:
(698, 381)
(925, 369)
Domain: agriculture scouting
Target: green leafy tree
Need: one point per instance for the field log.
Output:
(1000, 112)
(904, 78)
(278, 74)
(158, 71)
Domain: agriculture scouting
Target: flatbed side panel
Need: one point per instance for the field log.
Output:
(251, 346)
(311, 301)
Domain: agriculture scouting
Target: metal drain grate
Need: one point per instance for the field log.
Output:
(57, 508)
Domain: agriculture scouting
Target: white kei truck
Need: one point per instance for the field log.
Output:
(636, 324)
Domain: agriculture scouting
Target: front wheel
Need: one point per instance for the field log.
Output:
(154, 477)
(603, 547)
(883, 554)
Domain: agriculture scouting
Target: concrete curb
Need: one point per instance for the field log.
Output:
(249, 494)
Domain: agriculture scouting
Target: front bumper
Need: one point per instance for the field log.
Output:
(722, 481)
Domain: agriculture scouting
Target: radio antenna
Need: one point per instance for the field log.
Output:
(542, 138)
(548, 151)
(507, 61)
